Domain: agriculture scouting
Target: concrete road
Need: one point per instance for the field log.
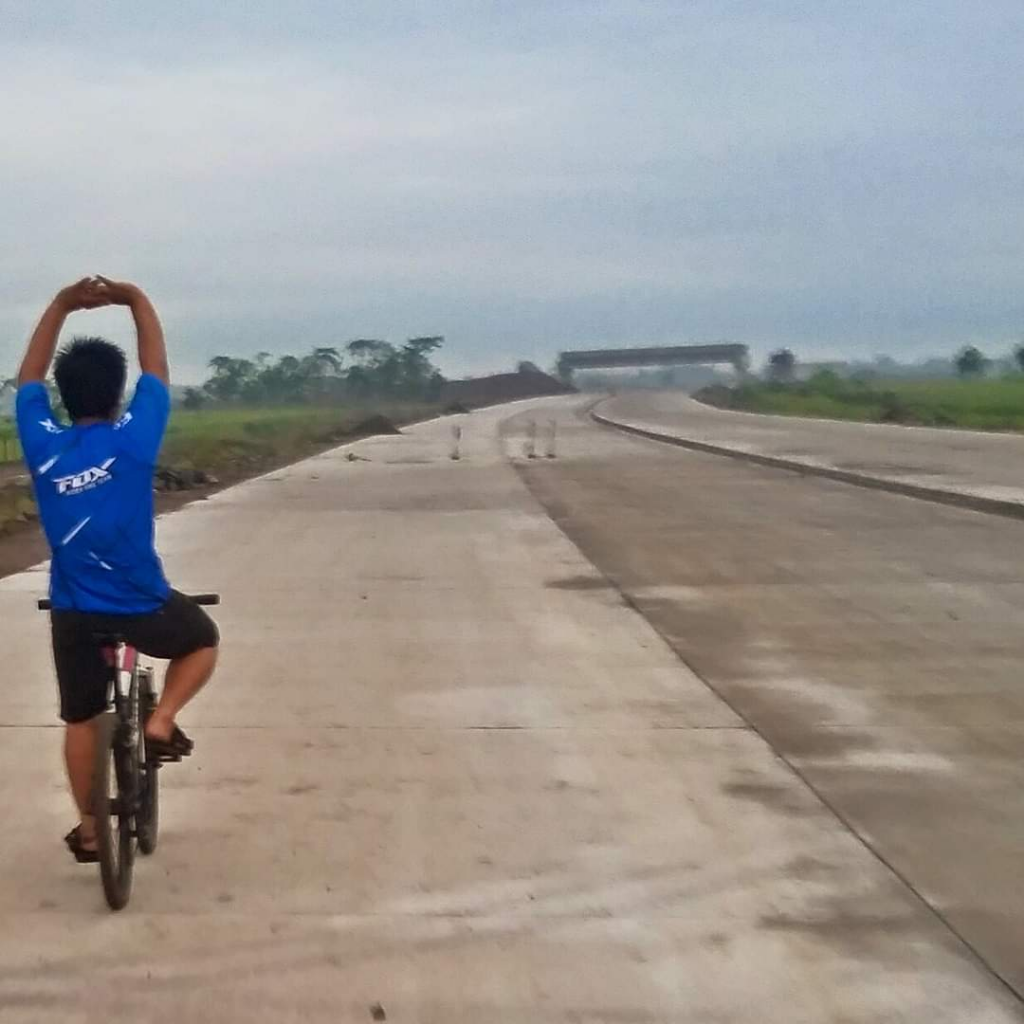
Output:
(876, 641)
(987, 465)
(447, 775)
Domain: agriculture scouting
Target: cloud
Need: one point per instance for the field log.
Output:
(524, 177)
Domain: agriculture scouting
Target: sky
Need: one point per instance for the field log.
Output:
(522, 177)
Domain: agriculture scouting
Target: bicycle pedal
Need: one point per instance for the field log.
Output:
(167, 758)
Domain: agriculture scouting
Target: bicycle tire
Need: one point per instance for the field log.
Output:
(148, 817)
(116, 844)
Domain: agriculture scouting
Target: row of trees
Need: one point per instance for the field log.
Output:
(366, 368)
(968, 362)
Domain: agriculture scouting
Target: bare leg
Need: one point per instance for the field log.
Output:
(79, 756)
(185, 678)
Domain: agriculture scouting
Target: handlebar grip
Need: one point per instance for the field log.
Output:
(43, 604)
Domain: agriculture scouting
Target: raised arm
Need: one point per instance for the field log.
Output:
(152, 350)
(84, 294)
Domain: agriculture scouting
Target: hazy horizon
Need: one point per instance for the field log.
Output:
(842, 180)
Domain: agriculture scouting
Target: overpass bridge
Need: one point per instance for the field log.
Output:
(737, 356)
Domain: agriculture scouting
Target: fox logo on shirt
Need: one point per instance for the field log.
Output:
(84, 481)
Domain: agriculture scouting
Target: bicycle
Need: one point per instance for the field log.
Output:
(125, 785)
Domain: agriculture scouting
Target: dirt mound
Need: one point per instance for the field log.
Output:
(373, 426)
(529, 382)
(167, 478)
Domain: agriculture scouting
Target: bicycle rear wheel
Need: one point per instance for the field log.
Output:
(112, 804)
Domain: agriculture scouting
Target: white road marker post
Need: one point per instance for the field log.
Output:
(456, 453)
(552, 438)
(531, 440)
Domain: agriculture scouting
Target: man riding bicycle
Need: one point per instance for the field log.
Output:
(93, 483)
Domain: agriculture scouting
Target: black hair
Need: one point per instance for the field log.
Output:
(90, 375)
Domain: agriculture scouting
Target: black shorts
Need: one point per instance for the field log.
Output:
(177, 629)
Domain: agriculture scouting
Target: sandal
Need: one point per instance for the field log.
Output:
(176, 746)
(82, 855)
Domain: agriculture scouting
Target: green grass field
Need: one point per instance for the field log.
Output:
(231, 443)
(211, 438)
(10, 451)
(986, 404)
(215, 439)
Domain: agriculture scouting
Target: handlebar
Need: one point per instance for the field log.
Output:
(44, 604)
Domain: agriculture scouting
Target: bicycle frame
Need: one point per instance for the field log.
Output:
(123, 662)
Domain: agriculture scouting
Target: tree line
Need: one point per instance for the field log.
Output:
(969, 362)
(365, 368)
